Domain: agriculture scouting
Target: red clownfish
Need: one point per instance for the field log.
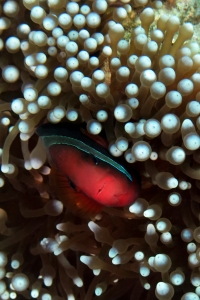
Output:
(84, 174)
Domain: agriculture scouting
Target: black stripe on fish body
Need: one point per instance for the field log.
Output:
(68, 134)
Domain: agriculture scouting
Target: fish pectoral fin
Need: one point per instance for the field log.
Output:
(72, 198)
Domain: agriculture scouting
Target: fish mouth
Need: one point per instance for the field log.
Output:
(116, 197)
(120, 199)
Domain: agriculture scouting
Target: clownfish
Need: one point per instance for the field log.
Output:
(85, 175)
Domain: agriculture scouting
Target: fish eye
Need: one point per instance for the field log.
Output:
(96, 160)
(72, 185)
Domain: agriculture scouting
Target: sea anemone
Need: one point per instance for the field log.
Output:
(68, 61)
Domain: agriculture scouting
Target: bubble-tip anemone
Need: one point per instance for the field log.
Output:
(73, 62)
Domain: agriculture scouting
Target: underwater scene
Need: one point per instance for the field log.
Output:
(100, 149)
